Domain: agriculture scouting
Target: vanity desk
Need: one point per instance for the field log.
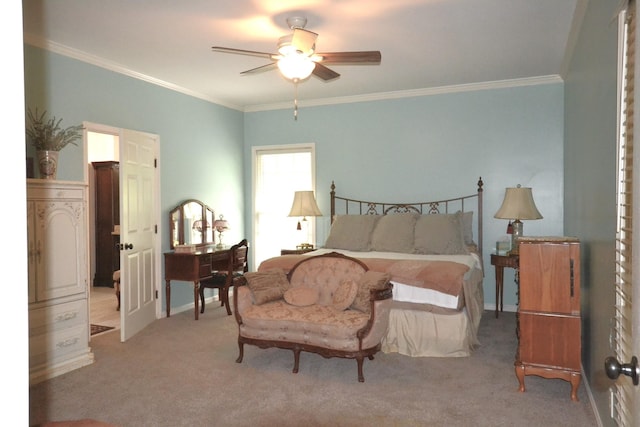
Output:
(194, 256)
(193, 267)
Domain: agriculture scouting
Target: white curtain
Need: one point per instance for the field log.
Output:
(278, 173)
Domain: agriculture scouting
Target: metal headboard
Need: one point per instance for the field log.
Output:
(472, 202)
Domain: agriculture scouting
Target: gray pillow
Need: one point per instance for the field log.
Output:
(351, 232)
(467, 227)
(440, 234)
(394, 233)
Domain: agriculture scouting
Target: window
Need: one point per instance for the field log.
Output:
(278, 173)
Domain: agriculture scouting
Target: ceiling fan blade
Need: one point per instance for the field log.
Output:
(267, 67)
(304, 40)
(324, 73)
(369, 57)
(244, 52)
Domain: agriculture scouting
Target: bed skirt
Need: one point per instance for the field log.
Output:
(419, 333)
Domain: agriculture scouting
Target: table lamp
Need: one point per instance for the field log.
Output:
(304, 205)
(518, 204)
(220, 225)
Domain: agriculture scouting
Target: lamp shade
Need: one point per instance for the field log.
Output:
(304, 204)
(518, 204)
(221, 224)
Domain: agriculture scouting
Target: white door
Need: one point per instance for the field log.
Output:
(138, 177)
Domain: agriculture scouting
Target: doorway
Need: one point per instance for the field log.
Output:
(134, 227)
(102, 160)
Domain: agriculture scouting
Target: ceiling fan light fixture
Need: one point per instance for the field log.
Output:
(296, 66)
(287, 46)
(296, 22)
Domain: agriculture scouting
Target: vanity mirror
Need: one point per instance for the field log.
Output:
(191, 223)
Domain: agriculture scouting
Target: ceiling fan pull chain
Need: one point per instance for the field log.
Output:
(295, 99)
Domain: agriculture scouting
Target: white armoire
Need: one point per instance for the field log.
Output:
(58, 278)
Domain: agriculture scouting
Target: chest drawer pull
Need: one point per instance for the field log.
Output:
(67, 343)
(66, 316)
(572, 279)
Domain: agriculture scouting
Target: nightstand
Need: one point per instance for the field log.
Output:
(500, 262)
(295, 251)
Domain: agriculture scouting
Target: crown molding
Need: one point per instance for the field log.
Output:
(381, 96)
(115, 67)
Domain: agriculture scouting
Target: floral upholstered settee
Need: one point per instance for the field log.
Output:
(328, 304)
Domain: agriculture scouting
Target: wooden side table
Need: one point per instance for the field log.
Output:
(500, 262)
(295, 251)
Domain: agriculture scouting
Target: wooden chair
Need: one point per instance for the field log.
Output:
(222, 280)
(116, 285)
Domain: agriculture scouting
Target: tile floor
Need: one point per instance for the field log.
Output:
(104, 306)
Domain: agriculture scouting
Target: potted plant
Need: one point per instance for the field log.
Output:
(48, 138)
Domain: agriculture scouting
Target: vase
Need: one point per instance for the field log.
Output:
(48, 164)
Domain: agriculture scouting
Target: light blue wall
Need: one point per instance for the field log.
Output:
(590, 184)
(429, 147)
(403, 149)
(562, 145)
(200, 142)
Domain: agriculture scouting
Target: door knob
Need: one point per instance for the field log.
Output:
(613, 368)
(128, 245)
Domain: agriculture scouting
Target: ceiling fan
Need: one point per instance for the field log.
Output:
(297, 58)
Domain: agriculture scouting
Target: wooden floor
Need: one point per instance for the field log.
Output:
(104, 306)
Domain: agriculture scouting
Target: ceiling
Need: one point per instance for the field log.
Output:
(425, 44)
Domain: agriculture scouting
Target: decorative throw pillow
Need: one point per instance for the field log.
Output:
(344, 296)
(301, 296)
(394, 233)
(351, 232)
(267, 286)
(371, 280)
(440, 235)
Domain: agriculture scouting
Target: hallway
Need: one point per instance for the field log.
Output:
(104, 306)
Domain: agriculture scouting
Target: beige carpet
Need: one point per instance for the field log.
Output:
(182, 372)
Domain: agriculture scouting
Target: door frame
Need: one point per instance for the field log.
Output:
(110, 130)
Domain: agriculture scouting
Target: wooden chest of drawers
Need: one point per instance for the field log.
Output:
(549, 333)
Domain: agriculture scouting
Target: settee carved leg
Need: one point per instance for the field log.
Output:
(296, 360)
(360, 361)
(371, 357)
(239, 359)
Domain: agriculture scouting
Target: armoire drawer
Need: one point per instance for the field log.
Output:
(52, 192)
(57, 317)
(51, 347)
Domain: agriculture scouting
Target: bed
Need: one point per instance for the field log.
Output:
(433, 252)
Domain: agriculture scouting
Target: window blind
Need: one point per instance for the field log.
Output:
(621, 336)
